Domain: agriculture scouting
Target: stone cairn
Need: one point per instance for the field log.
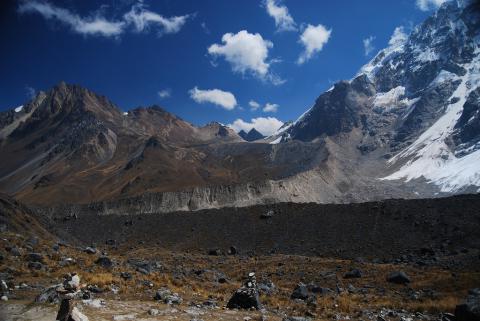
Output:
(69, 290)
(247, 296)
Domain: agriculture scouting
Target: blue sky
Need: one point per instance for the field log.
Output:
(206, 60)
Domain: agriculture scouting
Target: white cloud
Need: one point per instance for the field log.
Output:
(368, 46)
(164, 93)
(253, 105)
(426, 5)
(142, 19)
(270, 108)
(96, 24)
(398, 37)
(265, 125)
(283, 19)
(246, 52)
(218, 97)
(313, 39)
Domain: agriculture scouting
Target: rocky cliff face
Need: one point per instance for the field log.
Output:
(415, 104)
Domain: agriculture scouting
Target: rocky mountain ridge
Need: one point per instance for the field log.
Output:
(405, 127)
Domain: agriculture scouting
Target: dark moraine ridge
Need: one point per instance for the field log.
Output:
(383, 229)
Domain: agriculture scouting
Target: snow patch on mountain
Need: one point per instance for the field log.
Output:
(430, 157)
(19, 109)
(396, 46)
(389, 98)
(276, 141)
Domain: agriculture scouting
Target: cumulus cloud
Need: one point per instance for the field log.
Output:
(247, 53)
(426, 5)
(218, 97)
(265, 125)
(398, 37)
(270, 108)
(164, 93)
(368, 46)
(283, 19)
(253, 105)
(313, 39)
(96, 24)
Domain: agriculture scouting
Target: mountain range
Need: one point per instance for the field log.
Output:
(406, 126)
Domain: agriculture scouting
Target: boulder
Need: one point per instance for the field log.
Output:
(90, 250)
(167, 296)
(398, 277)
(35, 265)
(244, 298)
(470, 309)
(353, 274)
(49, 295)
(215, 252)
(300, 292)
(35, 257)
(232, 250)
(126, 275)
(104, 261)
(67, 262)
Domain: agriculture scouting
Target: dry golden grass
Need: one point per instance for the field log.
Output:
(284, 270)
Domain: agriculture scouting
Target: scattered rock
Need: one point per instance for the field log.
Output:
(4, 298)
(33, 241)
(246, 297)
(215, 252)
(470, 309)
(266, 287)
(153, 312)
(124, 317)
(35, 257)
(90, 250)
(49, 295)
(67, 262)
(95, 289)
(104, 261)
(448, 317)
(3, 286)
(314, 288)
(126, 275)
(210, 303)
(398, 277)
(14, 251)
(300, 292)
(35, 265)
(232, 250)
(167, 296)
(268, 214)
(295, 319)
(353, 274)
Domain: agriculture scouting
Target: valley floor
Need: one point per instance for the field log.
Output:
(126, 290)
